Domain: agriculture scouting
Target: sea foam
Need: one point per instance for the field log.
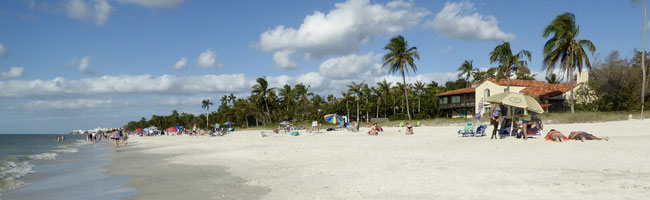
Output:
(43, 156)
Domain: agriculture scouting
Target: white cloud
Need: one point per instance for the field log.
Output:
(312, 79)
(3, 51)
(447, 50)
(12, 73)
(81, 10)
(83, 65)
(351, 66)
(282, 60)
(154, 3)
(181, 64)
(340, 31)
(72, 104)
(454, 20)
(208, 59)
(142, 84)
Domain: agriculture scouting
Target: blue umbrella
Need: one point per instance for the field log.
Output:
(284, 123)
(228, 123)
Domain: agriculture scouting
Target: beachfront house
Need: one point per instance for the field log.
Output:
(553, 97)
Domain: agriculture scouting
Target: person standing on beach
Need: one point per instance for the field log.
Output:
(494, 119)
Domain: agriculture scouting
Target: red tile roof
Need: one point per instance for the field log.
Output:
(515, 82)
(458, 91)
(547, 90)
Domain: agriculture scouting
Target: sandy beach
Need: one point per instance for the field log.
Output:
(432, 164)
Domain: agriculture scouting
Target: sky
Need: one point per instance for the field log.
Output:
(81, 64)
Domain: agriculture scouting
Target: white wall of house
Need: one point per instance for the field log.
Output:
(480, 92)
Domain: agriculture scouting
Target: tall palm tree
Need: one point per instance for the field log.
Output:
(419, 88)
(302, 94)
(356, 89)
(565, 49)
(206, 104)
(466, 70)
(366, 93)
(384, 89)
(224, 100)
(553, 78)
(232, 98)
(502, 54)
(286, 95)
(377, 93)
(398, 59)
(262, 89)
(346, 98)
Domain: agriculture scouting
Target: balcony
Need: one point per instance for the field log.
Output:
(466, 104)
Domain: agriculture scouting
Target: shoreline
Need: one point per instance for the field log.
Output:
(433, 163)
(156, 179)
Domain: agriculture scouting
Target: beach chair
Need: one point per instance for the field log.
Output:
(401, 124)
(480, 131)
(295, 133)
(537, 134)
(355, 127)
(504, 129)
(417, 124)
(468, 130)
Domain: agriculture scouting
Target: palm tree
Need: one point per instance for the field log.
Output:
(399, 58)
(466, 70)
(224, 100)
(553, 78)
(346, 98)
(564, 48)
(366, 93)
(384, 89)
(232, 98)
(356, 89)
(502, 54)
(206, 104)
(419, 88)
(262, 89)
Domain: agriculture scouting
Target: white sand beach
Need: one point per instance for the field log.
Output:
(432, 164)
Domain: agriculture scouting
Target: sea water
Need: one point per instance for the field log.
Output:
(35, 166)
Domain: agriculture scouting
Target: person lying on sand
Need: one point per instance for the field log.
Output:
(556, 136)
(373, 130)
(582, 136)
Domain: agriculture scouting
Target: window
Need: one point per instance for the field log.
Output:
(486, 93)
(444, 100)
(455, 99)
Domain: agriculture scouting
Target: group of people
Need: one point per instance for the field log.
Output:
(535, 126)
(557, 136)
(119, 137)
(375, 129)
(60, 139)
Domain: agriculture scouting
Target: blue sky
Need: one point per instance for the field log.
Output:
(80, 64)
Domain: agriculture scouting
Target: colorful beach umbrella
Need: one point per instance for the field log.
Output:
(333, 118)
(172, 129)
(284, 123)
(139, 130)
(228, 123)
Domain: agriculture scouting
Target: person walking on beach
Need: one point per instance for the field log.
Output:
(58, 139)
(494, 120)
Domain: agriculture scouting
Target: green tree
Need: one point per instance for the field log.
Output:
(508, 62)
(206, 104)
(466, 70)
(356, 89)
(565, 49)
(398, 59)
(553, 78)
(419, 89)
(262, 89)
(384, 91)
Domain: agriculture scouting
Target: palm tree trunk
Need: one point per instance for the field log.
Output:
(571, 84)
(357, 110)
(268, 112)
(347, 109)
(207, 118)
(419, 98)
(377, 107)
(408, 114)
(367, 110)
(508, 79)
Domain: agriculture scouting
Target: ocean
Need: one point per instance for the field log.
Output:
(35, 166)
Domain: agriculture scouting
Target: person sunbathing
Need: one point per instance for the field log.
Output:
(556, 136)
(582, 136)
(535, 125)
(373, 130)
